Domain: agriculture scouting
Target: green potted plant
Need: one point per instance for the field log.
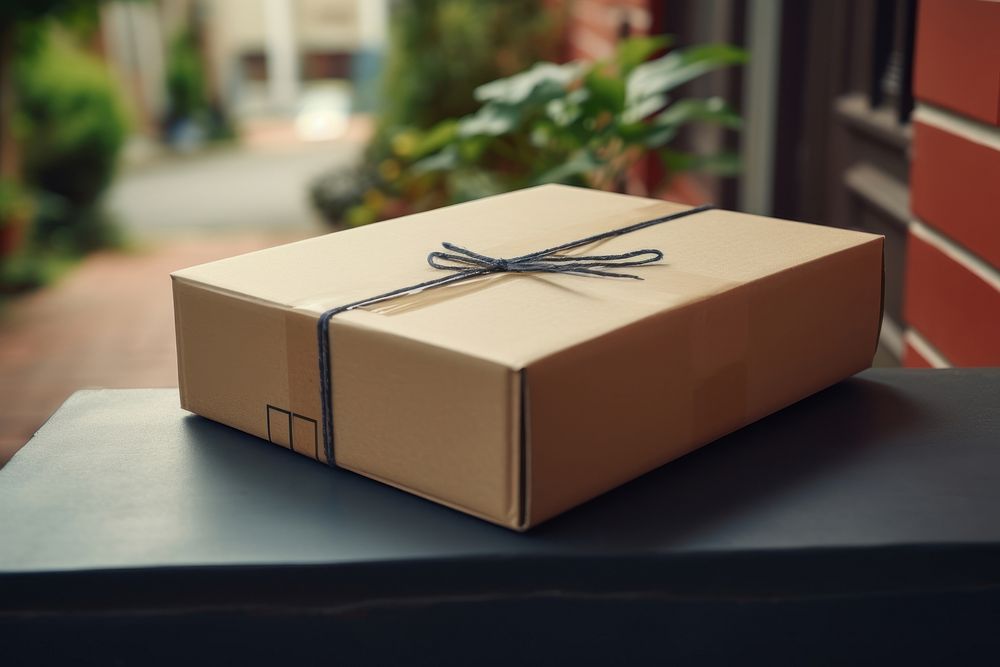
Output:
(584, 123)
(579, 123)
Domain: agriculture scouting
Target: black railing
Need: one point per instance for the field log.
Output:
(892, 56)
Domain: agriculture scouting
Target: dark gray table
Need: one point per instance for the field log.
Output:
(860, 524)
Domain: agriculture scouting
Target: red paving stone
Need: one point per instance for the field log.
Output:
(109, 323)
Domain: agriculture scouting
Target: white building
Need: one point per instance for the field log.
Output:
(261, 57)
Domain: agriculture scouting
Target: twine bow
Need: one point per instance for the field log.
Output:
(546, 261)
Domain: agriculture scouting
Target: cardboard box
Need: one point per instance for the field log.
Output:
(515, 396)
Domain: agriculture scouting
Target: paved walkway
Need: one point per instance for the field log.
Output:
(110, 322)
(228, 189)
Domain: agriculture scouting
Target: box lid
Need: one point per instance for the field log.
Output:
(515, 320)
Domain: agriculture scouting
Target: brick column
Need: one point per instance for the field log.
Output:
(952, 284)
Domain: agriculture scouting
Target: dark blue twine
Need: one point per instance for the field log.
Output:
(466, 264)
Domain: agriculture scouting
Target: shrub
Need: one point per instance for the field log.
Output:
(191, 115)
(185, 79)
(73, 126)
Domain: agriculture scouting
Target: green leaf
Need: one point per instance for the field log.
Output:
(607, 91)
(471, 149)
(678, 67)
(492, 119)
(663, 127)
(634, 51)
(713, 109)
(642, 108)
(658, 136)
(444, 160)
(632, 132)
(720, 164)
(436, 138)
(540, 136)
(578, 164)
(564, 111)
(541, 83)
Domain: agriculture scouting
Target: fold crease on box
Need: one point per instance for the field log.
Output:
(516, 397)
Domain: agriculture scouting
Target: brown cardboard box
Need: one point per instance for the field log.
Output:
(514, 397)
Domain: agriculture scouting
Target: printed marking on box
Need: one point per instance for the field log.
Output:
(292, 430)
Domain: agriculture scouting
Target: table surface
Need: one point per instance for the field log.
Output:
(126, 479)
(860, 525)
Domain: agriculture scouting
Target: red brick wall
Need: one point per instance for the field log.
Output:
(952, 293)
(593, 26)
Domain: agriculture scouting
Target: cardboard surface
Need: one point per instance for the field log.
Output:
(516, 396)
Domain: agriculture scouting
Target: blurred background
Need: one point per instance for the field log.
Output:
(138, 137)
